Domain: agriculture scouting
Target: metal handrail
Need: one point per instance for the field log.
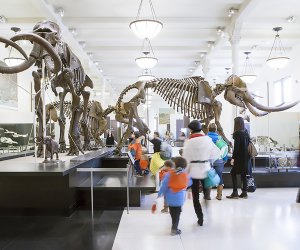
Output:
(92, 170)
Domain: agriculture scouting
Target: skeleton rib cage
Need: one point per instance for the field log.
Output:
(182, 94)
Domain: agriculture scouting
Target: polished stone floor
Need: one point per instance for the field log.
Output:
(60, 233)
(268, 220)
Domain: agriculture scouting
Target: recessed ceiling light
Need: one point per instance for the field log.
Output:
(291, 19)
(90, 54)
(232, 11)
(220, 31)
(210, 44)
(3, 19)
(73, 31)
(82, 44)
(60, 11)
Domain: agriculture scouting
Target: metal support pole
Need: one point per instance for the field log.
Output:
(91, 170)
(34, 127)
(268, 104)
(92, 195)
(127, 190)
(147, 117)
(44, 103)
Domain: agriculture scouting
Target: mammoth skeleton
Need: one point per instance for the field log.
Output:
(236, 93)
(195, 98)
(64, 70)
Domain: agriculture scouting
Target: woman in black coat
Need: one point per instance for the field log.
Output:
(110, 140)
(240, 158)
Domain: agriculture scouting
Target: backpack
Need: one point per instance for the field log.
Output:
(144, 162)
(222, 145)
(165, 151)
(178, 180)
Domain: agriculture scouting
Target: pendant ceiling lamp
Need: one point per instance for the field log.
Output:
(277, 58)
(148, 59)
(248, 75)
(13, 58)
(146, 76)
(146, 27)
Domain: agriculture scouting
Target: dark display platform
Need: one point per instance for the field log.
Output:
(56, 188)
(44, 188)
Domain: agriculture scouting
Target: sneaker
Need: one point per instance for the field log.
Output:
(233, 196)
(165, 210)
(244, 195)
(175, 232)
(138, 175)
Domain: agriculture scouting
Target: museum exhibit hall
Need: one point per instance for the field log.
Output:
(149, 124)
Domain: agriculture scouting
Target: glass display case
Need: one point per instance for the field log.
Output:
(276, 137)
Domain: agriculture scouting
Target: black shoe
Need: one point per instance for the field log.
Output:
(200, 222)
(175, 232)
(233, 196)
(244, 195)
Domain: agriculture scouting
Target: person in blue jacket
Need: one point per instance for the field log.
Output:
(173, 188)
(219, 163)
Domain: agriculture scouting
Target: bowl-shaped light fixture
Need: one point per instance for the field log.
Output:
(146, 62)
(248, 75)
(148, 59)
(146, 76)
(146, 27)
(13, 58)
(277, 58)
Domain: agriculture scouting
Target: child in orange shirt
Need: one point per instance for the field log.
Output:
(168, 165)
(135, 149)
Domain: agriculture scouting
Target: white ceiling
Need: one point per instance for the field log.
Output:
(188, 26)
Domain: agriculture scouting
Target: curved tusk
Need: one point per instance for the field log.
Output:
(271, 109)
(254, 111)
(45, 45)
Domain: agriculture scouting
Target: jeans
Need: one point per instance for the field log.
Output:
(175, 215)
(219, 166)
(234, 182)
(196, 202)
(137, 167)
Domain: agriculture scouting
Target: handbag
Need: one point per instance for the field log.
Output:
(212, 179)
(252, 150)
(251, 186)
